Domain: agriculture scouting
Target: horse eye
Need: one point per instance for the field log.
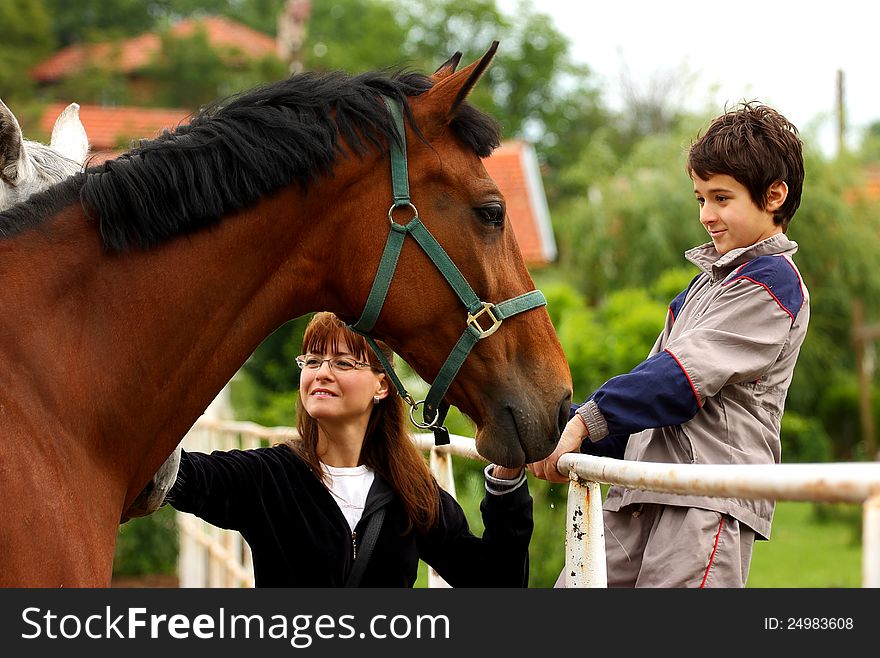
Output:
(492, 213)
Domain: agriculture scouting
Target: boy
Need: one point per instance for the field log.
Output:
(713, 389)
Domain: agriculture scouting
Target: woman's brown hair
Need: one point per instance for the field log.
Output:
(388, 448)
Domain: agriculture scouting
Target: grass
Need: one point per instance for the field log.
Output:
(811, 546)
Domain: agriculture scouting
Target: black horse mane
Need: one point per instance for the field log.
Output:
(236, 151)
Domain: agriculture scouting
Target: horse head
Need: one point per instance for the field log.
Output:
(515, 384)
(27, 167)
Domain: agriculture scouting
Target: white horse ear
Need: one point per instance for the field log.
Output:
(69, 136)
(10, 144)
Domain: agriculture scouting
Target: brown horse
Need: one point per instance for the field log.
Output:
(132, 292)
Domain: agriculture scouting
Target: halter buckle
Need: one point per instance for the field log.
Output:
(486, 310)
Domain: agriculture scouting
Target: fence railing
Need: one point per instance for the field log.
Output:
(832, 482)
(212, 557)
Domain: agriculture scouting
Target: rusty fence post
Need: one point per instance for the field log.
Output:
(584, 536)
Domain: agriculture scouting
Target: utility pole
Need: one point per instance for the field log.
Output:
(863, 339)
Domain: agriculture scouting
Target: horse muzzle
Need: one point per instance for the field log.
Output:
(520, 430)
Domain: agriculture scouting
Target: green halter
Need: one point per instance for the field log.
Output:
(435, 407)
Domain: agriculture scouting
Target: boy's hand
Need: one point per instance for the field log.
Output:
(570, 441)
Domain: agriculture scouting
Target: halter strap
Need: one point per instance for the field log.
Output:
(435, 407)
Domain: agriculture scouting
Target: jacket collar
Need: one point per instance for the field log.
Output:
(380, 494)
(717, 266)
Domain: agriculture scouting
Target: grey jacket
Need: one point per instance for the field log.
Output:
(713, 389)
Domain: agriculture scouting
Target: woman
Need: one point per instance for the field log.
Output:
(353, 502)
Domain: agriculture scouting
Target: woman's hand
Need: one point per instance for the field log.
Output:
(504, 473)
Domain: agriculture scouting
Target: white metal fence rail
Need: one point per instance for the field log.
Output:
(837, 482)
(211, 557)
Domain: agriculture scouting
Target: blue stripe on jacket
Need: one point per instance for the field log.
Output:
(777, 275)
(678, 302)
(656, 393)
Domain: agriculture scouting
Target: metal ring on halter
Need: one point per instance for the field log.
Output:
(423, 426)
(403, 205)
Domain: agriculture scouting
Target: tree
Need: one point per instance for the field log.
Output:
(869, 151)
(634, 218)
(353, 36)
(98, 20)
(75, 22)
(190, 72)
(27, 38)
(533, 88)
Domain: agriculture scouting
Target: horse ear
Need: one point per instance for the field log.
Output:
(69, 136)
(10, 144)
(447, 68)
(452, 89)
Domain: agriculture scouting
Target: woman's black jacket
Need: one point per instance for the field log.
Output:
(299, 537)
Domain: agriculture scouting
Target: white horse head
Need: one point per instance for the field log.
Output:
(27, 167)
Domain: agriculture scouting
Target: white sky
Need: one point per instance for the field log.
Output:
(782, 52)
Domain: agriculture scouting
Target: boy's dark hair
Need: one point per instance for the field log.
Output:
(757, 146)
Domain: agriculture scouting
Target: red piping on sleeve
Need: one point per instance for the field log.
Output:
(690, 381)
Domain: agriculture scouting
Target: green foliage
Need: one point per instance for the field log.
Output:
(869, 151)
(97, 83)
(265, 389)
(602, 342)
(27, 38)
(147, 545)
(840, 416)
(633, 221)
(804, 440)
(99, 19)
(843, 515)
(78, 21)
(838, 232)
(672, 282)
(190, 72)
(353, 36)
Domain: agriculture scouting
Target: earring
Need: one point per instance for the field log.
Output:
(376, 399)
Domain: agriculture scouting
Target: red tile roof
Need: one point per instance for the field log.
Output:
(114, 128)
(132, 54)
(514, 166)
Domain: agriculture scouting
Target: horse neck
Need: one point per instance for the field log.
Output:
(130, 348)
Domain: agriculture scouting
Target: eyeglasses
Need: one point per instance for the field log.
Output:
(337, 363)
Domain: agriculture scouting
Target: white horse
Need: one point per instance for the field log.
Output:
(27, 167)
